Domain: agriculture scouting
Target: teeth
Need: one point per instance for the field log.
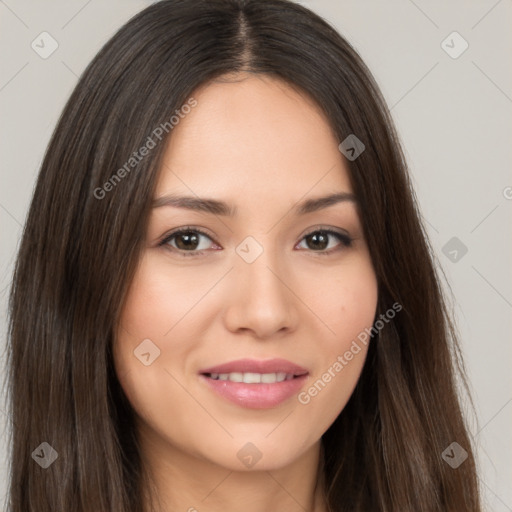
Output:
(252, 378)
(268, 378)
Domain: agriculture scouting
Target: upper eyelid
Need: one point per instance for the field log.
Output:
(186, 229)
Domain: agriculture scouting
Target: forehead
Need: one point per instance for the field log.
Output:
(257, 135)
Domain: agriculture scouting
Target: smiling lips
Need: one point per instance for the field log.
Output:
(255, 384)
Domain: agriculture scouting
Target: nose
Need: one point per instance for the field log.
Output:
(261, 298)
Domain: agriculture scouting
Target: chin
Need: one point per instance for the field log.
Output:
(257, 455)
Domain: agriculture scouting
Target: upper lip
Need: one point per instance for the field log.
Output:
(257, 366)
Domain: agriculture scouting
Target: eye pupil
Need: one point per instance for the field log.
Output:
(190, 238)
(319, 236)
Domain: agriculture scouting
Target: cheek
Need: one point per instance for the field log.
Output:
(162, 316)
(347, 307)
(345, 301)
(356, 298)
(161, 301)
(149, 312)
(155, 303)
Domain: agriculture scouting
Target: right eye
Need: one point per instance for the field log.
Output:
(187, 241)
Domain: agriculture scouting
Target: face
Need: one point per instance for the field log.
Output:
(272, 281)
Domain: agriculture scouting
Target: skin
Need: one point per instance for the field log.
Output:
(261, 146)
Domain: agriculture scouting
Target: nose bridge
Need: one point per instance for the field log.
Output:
(260, 265)
(261, 300)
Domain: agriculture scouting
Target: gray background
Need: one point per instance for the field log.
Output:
(454, 118)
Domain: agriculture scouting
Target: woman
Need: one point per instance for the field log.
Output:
(178, 338)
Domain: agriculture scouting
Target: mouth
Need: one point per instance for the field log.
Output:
(255, 384)
(253, 378)
(251, 368)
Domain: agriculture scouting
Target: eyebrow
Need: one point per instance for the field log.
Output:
(217, 207)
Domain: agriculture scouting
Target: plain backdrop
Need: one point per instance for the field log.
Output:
(453, 113)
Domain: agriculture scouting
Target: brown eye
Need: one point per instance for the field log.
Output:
(318, 241)
(187, 240)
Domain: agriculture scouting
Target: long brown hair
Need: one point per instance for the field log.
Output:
(80, 247)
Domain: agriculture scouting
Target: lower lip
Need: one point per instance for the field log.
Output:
(256, 396)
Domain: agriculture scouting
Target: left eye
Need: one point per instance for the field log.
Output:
(189, 241)
(321, 237)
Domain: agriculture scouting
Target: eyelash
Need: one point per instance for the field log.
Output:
(345, 240)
